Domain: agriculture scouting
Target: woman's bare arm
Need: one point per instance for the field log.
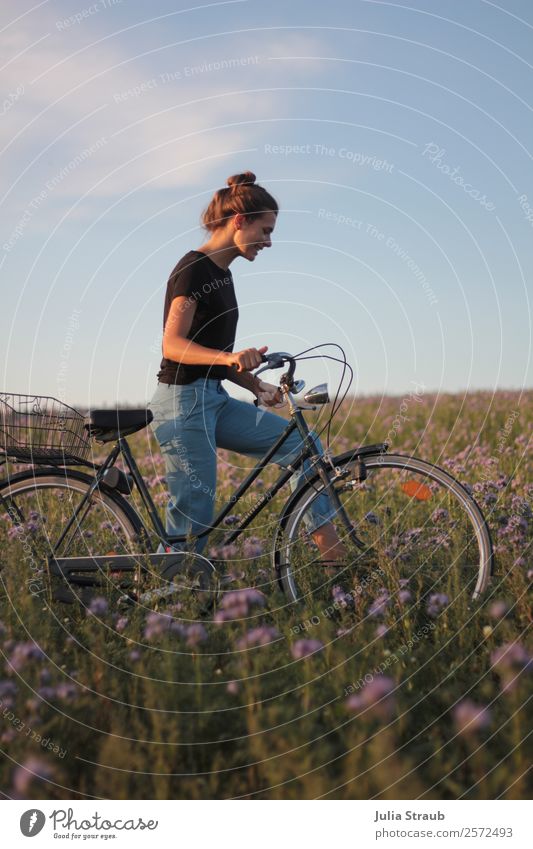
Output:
(179, 349)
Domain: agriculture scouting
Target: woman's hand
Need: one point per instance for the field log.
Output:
(269, 395)
(247, 359)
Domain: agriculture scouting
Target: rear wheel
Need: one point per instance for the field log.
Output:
(411, 531)
(35, 511)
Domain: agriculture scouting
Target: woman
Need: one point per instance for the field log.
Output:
(193, 413)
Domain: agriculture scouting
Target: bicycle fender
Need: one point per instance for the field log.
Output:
(46, 471)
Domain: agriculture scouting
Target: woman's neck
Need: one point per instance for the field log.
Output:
(220, 251)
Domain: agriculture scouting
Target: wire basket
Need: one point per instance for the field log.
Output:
(35, 428)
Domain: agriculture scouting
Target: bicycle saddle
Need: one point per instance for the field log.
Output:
(108, 425)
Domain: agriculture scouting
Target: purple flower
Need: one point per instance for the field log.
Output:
(305, 648)
(66, 691)
(381, 630)
(252, 547)
(23, 653)
(231, 520)
(46, 693)
(98, 606)
(24, 775)
(237, 611)
(8, 692)
(379, 605)
(372, 518)
(8, 736)
(412, 535)
(498, 609)
(521, 505)
(469, 717)
(440, 515)
(45, 676)
(341, 597)
(227, 552)
(509, 661)
(158, 624)
(261, 636)
(236, 604)
(121, 623)
(233, 687)
(195, 634)
(378, 695)
(436, 604)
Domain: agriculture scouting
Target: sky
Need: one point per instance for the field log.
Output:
(395, 136)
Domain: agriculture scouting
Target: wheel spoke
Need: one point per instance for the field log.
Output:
(45, 506)
(422, 534)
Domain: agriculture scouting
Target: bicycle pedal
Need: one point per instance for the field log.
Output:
(149, 596)
(127, 600)
(65, 595)
(333, 564)
(226, 580)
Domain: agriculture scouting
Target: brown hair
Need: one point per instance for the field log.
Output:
(242, 195)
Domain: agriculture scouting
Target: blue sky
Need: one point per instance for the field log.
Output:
(396, 138)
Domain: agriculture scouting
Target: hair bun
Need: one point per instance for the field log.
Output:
(247, 177)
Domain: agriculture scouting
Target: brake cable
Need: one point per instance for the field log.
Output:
(336, 405)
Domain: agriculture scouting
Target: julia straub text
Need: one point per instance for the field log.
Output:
(407, 815)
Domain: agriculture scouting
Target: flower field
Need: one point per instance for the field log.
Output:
(390, 698)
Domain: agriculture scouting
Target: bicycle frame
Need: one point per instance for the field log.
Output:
(122, 449)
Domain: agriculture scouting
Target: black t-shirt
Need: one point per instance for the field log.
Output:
(210, 287)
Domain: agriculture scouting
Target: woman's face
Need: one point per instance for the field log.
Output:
(253, 234)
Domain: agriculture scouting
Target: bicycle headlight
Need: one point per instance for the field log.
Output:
(318, 394)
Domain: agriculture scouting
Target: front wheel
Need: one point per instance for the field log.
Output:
(410, 530)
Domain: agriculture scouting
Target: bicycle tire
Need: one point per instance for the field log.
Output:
(56, 491)
(291, 525)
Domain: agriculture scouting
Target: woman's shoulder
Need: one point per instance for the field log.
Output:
(190, 266)
(191, 259)
(193, 274)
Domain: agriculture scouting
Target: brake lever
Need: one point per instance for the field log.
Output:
(273, 361)
(259, 370)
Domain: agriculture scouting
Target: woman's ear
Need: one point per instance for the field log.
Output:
(238, 221)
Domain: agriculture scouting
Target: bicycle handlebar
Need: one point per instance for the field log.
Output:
(277, 360)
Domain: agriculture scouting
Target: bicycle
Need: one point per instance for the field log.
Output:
(401, 519)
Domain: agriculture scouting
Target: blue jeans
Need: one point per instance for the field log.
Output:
(190, 422)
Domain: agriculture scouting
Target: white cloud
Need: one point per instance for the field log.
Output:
(113, 119)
